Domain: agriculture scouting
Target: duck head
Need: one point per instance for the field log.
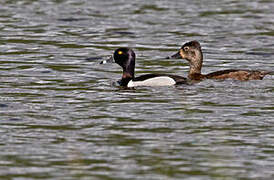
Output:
(192, 52)
(125, 57)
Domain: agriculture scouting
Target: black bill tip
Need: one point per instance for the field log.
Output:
(109, 60)
(175, 56)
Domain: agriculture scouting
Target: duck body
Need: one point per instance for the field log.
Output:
(192, 52)
(236, 74)
(125, 57)
(154, 80)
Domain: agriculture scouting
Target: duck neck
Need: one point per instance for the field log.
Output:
(196, 63)
(128, 73)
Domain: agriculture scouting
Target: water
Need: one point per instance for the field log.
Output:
(61, 118)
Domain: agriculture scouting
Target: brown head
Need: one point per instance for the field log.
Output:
(192, 52)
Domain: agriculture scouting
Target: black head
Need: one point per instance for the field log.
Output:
(121, 56)
(125, 57)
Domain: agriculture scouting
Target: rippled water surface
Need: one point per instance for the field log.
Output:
(62, 118)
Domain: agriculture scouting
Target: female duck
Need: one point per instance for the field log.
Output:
(192, 52)
(125, 57)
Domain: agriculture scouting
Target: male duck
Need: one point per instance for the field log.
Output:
(125, 57)
(192, 52)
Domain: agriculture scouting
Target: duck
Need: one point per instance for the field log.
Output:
(192, 52)
(125, 57)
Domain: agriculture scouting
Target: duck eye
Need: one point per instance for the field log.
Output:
(120, 52)
(186, 48)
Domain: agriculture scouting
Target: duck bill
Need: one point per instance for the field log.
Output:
(109, 60)
(175, 56)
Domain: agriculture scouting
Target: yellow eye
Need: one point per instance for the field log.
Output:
(120, 52)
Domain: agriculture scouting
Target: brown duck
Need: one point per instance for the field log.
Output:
(192, 52)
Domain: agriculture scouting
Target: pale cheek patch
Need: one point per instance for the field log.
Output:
(157, 81)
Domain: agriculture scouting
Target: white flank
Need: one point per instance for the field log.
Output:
(156, 81)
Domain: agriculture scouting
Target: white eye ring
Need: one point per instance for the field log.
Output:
(186, 48)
